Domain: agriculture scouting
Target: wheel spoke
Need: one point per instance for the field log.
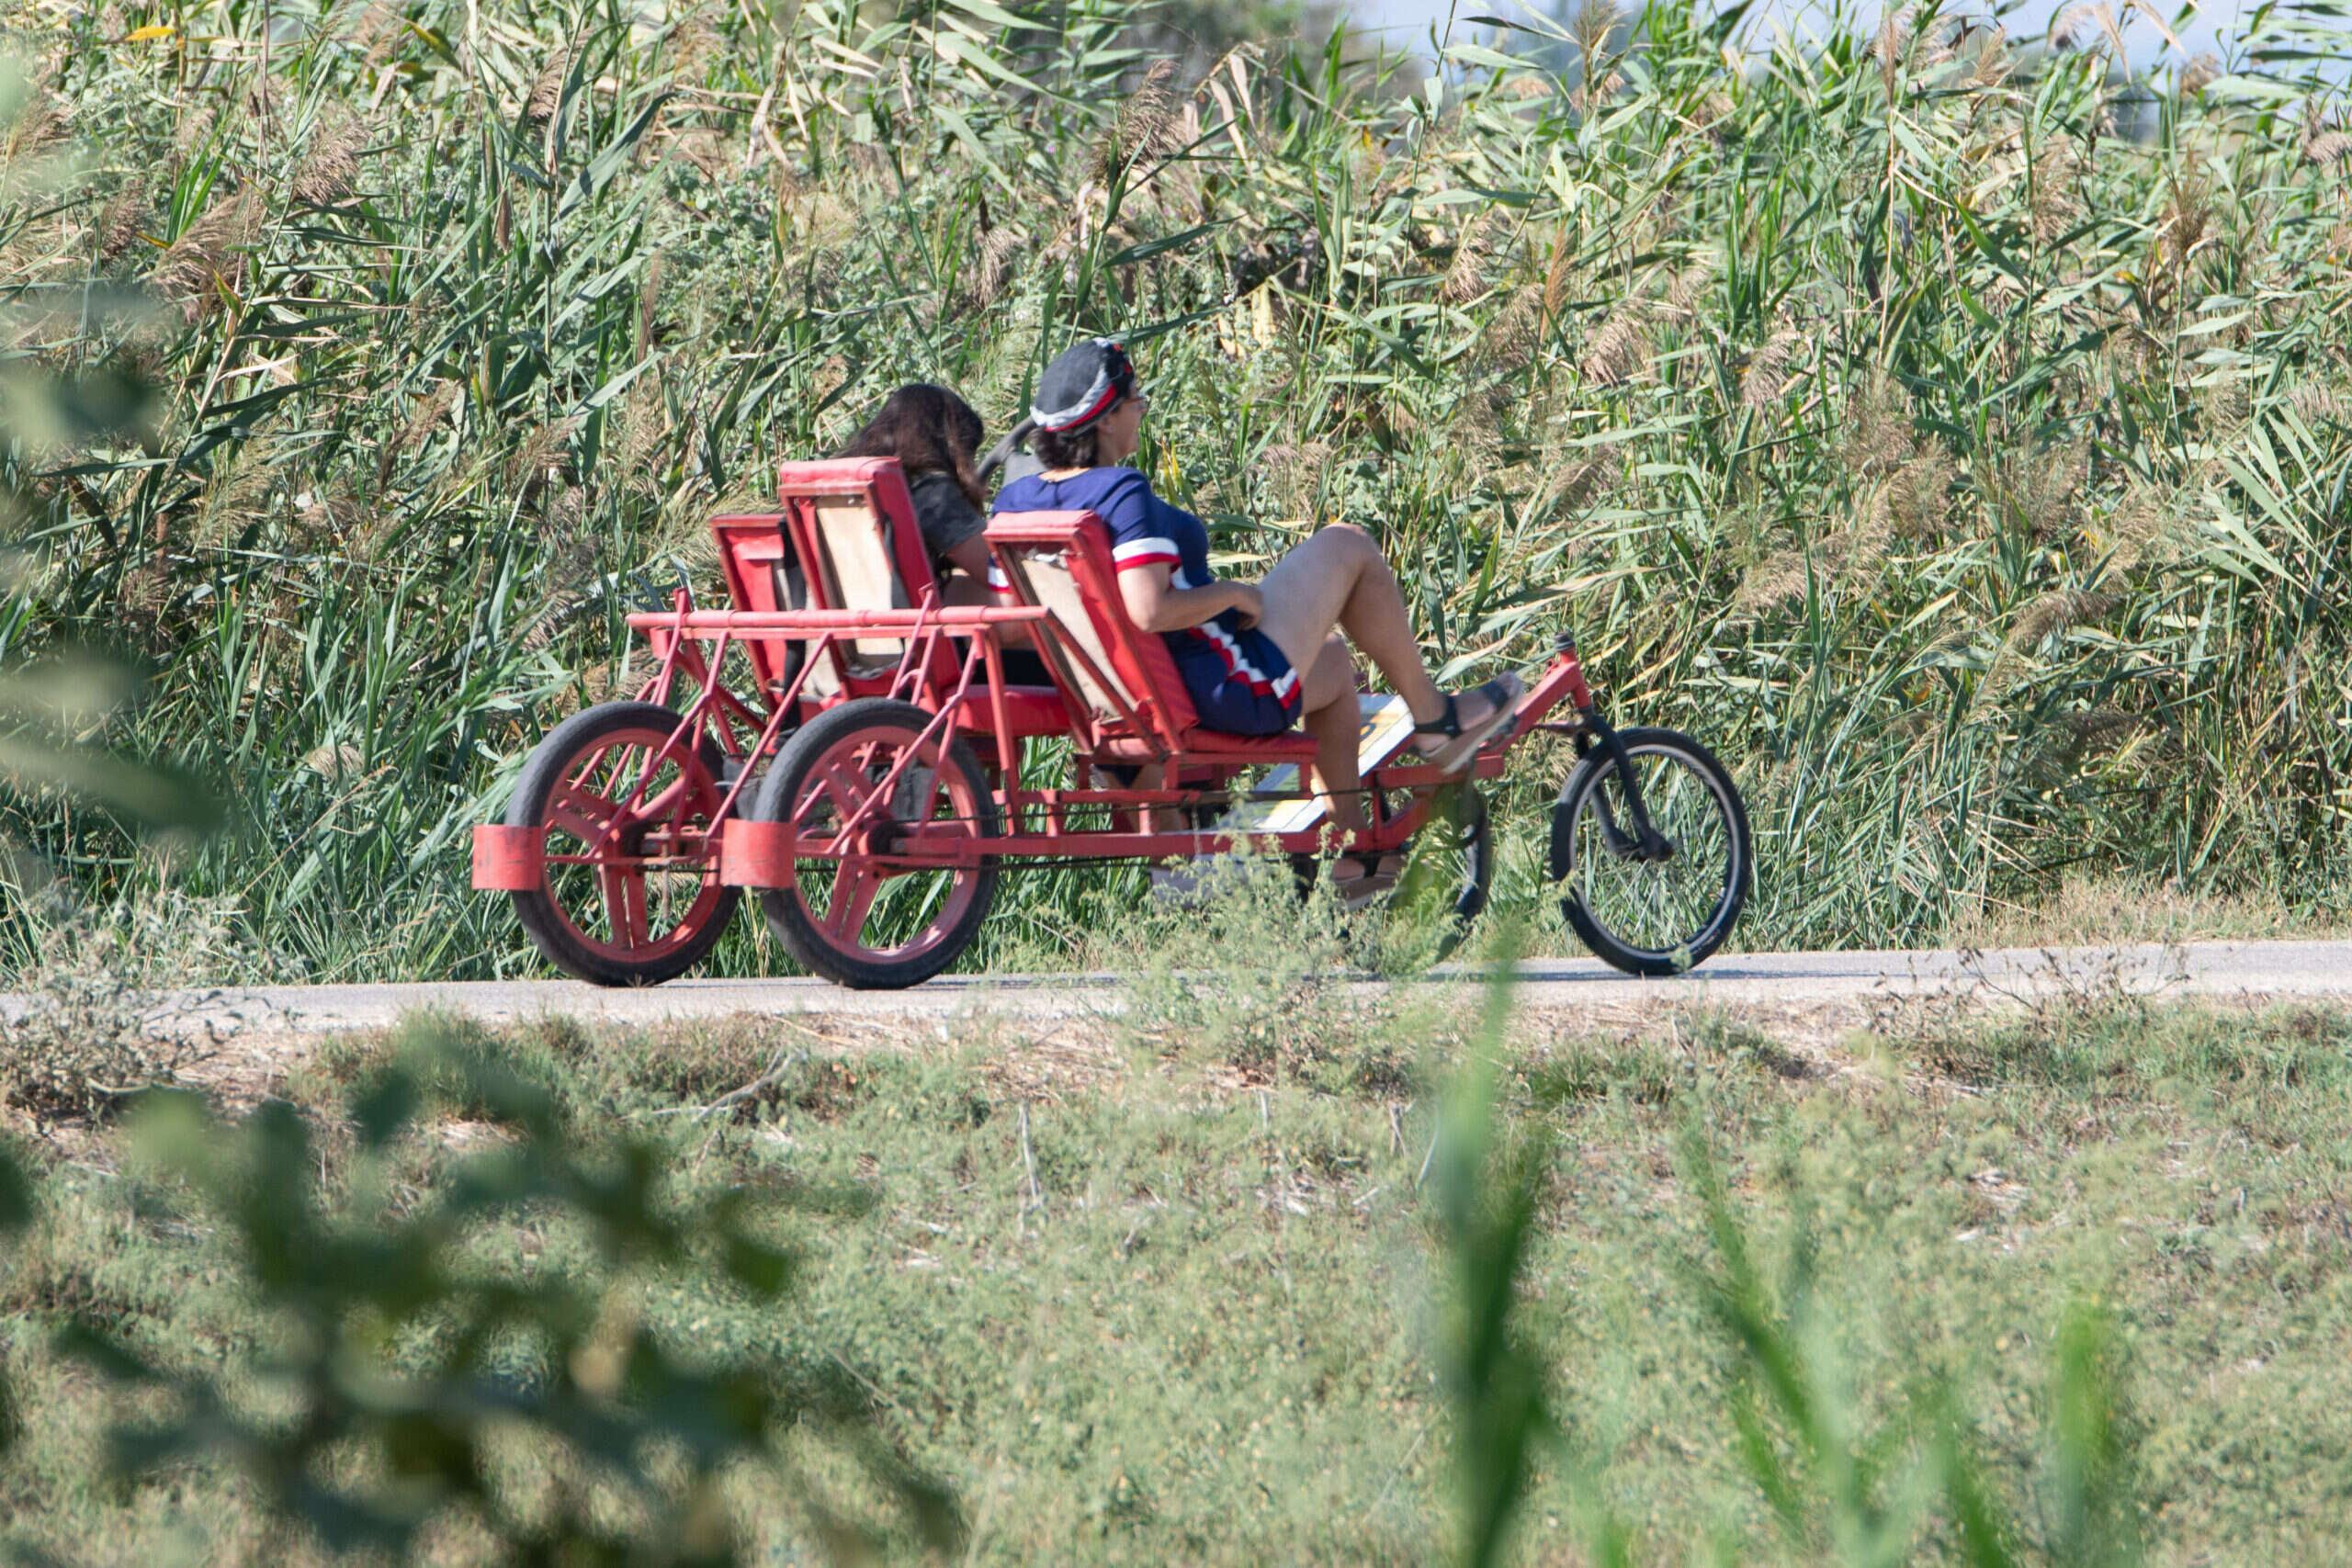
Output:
(564, 813)
(667, 804)
(854, 887)
(847, 786)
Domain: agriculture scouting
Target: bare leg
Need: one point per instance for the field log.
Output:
(1331, 714)
(1339, 579)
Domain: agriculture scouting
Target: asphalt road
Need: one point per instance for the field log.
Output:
(2255, 970)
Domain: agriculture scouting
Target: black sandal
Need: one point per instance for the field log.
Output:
(1503, 690)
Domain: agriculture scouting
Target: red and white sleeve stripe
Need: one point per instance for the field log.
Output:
(1146, 552)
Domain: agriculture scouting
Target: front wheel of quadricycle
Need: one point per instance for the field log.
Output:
(631, 893)
(849, 916)
(1648, 916)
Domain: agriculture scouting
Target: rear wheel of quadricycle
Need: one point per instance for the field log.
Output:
(1645, 911)
(631, 893)
(853, 913)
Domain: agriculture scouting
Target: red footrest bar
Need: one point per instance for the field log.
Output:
(510, 860)
(755, 854)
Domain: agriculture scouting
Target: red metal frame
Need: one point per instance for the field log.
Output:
(964, 694)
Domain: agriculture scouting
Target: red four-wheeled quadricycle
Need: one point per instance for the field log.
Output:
(846, 743)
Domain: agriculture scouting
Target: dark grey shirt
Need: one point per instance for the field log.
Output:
(946, 516)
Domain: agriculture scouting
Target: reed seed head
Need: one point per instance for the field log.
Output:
(211, 257)
(1144, 127)
(1620, 349)
(329, 175)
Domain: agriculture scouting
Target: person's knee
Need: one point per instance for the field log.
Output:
(1332, 676)
(1348, 539)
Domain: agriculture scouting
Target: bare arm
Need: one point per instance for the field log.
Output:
(1154, 607)
(971, 556)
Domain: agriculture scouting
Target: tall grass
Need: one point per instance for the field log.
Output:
(1972, 477)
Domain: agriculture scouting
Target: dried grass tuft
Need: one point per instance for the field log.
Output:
(336, 762)
(2051, 199)
(328, 175)
(196, 129)
(2324, 147)
(35, 132)
(1893, 42)
(567, 587)
(1770, 582)
(992, 264)
(1620, 349)
(1294, 475)
(211, 257)
(2318, 404)
(1765, 376)
(374, 35)
(1465, 278)
(1918, 493)
(546, 96)
(1573, 487)
(2056, 612)
(1516, 331)
(1996, 63)
(2199, 74)
(119, 225)
(1145, 126)
(541, 460)
(1682, 294)
(1878, 436)
(2080, 27)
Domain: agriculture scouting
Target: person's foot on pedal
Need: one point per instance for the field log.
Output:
(1489, 712)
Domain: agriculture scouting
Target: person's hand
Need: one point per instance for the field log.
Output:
(1248, 604)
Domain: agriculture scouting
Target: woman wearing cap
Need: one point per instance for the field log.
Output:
(1255, 657)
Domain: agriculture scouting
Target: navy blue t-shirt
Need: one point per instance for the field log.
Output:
(1146, 531)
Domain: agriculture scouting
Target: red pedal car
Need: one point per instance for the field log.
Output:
(847, 746)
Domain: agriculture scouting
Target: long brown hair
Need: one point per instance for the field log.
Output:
(930, 430)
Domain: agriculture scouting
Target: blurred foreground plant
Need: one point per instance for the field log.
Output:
(1862, 1497)
(406, 1358)
(1843, 1491)
(1487, 1194)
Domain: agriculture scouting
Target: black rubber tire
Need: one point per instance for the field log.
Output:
(1583, 793)
(555, 936)
(788, 916)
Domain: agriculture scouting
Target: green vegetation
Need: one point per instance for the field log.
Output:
(2066, 1288)
(1973, 478)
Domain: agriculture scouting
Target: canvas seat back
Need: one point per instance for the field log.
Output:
(1125, 681)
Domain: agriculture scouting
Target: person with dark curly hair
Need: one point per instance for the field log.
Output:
(1255, 658)
(937, 438)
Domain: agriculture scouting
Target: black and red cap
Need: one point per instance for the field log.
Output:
(1083, 383)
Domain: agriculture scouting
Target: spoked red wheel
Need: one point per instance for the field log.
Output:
(631, 893)
(869, 801)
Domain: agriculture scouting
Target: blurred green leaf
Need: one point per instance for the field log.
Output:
(16, 1195)
(609, 1394)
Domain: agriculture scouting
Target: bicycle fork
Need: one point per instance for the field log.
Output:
(1644, 843)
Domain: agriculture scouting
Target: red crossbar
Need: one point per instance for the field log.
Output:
(953, 617)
